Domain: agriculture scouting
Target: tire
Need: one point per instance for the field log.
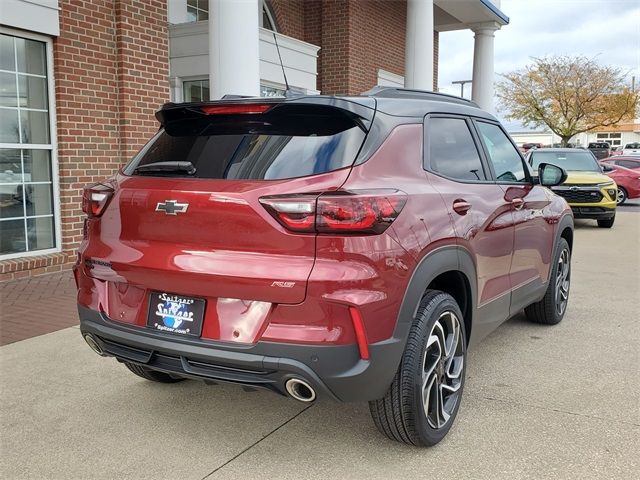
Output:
(607, 223)
(551, 309)
(401, 415)
(151, 375)
(622, 196)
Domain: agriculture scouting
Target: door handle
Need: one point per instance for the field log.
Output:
(461, 207)
(517, 203)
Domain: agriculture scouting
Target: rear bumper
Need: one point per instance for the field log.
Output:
(335, 372)
(593, 212)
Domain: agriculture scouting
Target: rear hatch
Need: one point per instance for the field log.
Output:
(185, 216)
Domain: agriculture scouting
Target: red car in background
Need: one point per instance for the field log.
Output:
(625, 161)
(628, 180)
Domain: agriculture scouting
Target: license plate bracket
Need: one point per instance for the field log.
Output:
(176, 314)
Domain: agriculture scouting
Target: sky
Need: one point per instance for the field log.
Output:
(606, 30)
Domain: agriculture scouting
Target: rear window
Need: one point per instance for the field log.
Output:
(237, 148)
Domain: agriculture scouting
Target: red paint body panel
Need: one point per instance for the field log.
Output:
(485, 230)
(227, 247)
(533, 235)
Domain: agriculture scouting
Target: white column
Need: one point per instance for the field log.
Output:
(175, 86)
(418, 59)
(234, 57)
(482, 86)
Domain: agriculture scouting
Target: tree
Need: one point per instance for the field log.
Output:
(570, 95)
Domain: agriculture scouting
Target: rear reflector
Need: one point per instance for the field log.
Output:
(361, 336)
(356, 212)
(95, 199)
(239, 108)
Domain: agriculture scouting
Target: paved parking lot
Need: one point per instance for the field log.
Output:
(540, 402)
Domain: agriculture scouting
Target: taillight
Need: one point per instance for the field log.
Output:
(354, 212)
(238, 108)
(95, 199)
(297, 214)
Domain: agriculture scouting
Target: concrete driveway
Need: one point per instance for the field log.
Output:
(540, 402)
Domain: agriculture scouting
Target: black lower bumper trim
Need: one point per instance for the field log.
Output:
(593, 212)
(335, 372)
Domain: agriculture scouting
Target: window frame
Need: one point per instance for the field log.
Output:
(199, 11)
(199, 78)
(489, 162)
(426, 159)
(52, 146)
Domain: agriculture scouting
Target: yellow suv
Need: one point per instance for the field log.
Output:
(588, 191)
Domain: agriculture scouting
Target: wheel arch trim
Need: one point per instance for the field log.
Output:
(441, 260)
(566, 222)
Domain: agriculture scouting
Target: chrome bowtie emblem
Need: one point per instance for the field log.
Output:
(172, 207)
(574, 189)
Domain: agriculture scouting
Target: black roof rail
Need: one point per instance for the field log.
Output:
(396, 92)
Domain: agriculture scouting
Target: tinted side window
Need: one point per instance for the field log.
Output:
(628, 163)
(452, 151)
(502, 154)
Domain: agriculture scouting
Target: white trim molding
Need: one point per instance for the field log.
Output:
(389, 79)
(52, 146)
(39, 16)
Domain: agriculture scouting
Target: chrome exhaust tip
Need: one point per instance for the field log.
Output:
(300, 390)
(95, 346)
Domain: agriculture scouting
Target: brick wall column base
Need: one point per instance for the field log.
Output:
(37, 265)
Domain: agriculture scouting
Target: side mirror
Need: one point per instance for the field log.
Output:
(550, 175)
(607, 169)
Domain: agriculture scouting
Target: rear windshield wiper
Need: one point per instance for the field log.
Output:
(186, 168)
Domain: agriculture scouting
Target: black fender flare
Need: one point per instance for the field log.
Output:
(565, 222)
(438, 261)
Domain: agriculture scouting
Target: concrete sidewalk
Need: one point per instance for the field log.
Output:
(540, 402)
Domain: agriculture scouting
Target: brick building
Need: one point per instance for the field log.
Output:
(80, 81)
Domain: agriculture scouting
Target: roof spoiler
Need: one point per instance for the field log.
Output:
(360, 112)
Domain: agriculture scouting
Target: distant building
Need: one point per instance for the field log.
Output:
(628, 132)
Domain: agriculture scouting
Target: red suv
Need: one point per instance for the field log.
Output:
(350, 248)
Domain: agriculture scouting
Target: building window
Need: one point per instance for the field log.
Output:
(195, 90)
(270, 91)
(198, 91)
(613, 139)
(27, 207)
(197, 10)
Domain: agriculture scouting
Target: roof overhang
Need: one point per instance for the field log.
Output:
(463, 14)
